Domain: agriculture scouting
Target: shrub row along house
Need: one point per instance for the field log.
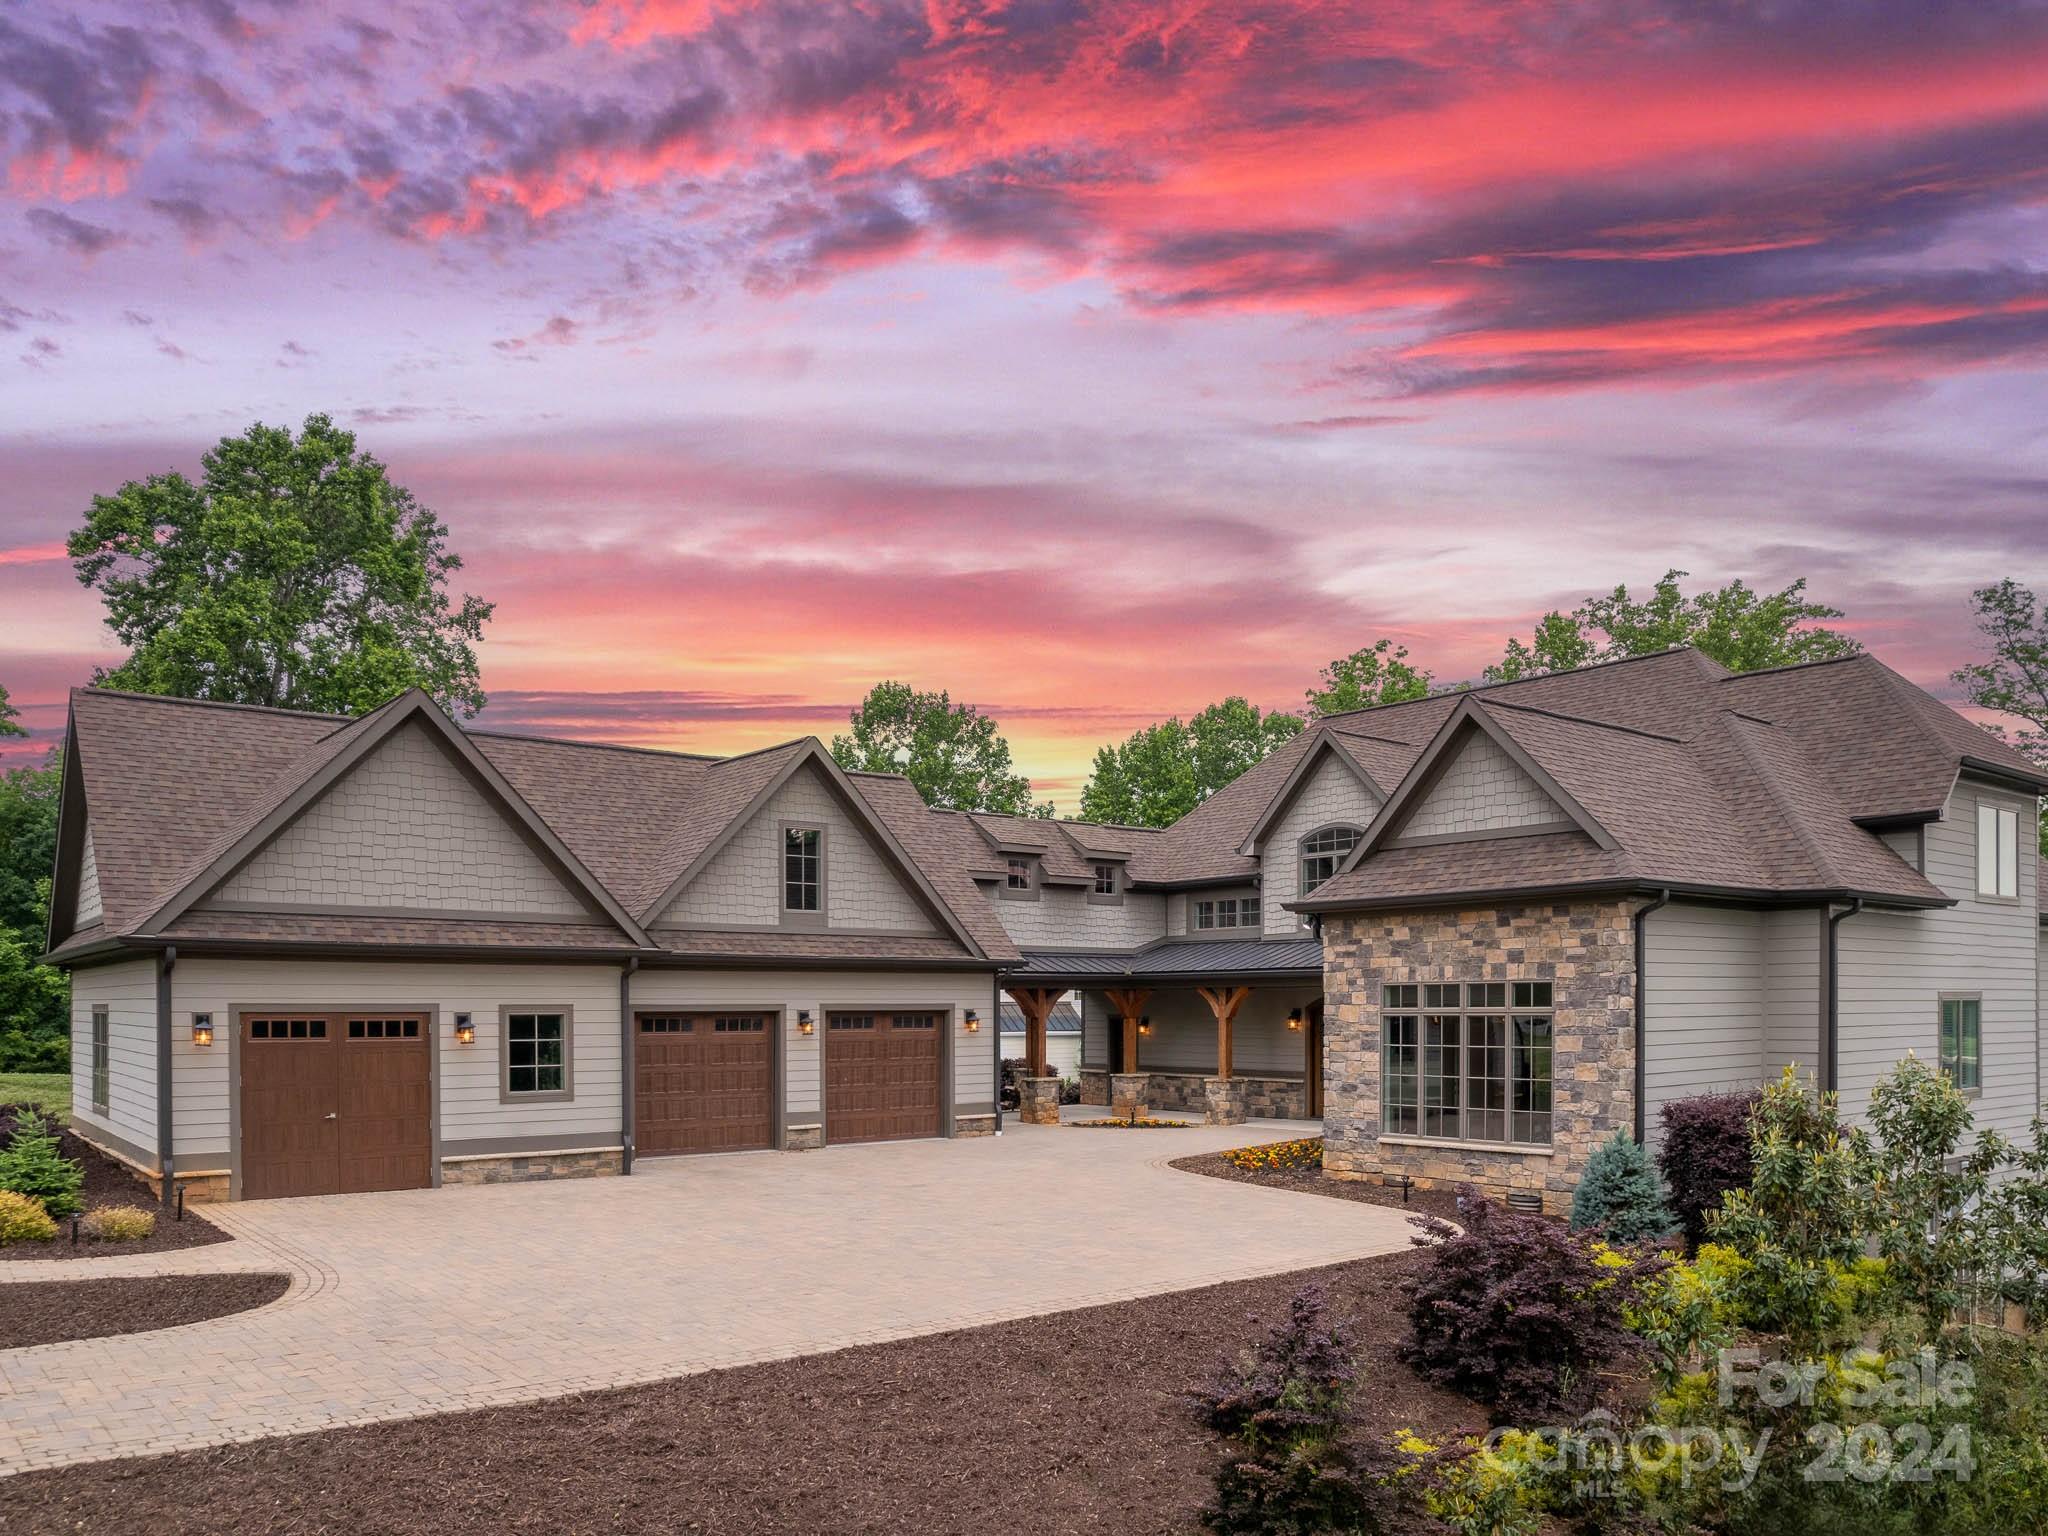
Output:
(1473, 934)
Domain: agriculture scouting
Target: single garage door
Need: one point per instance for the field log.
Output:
(703, 1082)
(334, 1103)
(881, 1076)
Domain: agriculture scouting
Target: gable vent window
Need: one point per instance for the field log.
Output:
(1998, 852)
(802, 869)
(1323, 853)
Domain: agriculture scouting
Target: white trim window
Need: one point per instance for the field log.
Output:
(1998, 852)
(1467, 1061)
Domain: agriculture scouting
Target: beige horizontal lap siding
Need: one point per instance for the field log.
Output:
(742, 885)
(2041, 1016)
(127, 988)
(1793, 998)
(1896, 966)
(1333, 796)
(794, 991)
(1183, 1037)
(470, 1105)
(1062, 1052)
(1063, 917)
(1705, 987)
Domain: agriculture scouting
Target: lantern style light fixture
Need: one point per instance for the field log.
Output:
(465, 1029)
(1294, 1020)
(804, 1023)
(1145, 1025)
(202, 1029)
(973, 1022)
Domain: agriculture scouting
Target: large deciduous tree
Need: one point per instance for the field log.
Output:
(955, 755)
(1379, 673)
(34, 999)
(293, 574)
(1161, 772)
(10, 717)
(1739, 627)
(2015, 680)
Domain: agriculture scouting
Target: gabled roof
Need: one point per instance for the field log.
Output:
(181, 792)
(1681, 775)
(1059, 861)
(1328, 746)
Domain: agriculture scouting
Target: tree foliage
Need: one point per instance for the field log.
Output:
(955, 755)
(34, 999)
(1704, 1154)
(1619, 1195)
(293, 574)
(10, 717)
(2015, 680)
(1379, 673)
(1739, 627)
(1160, 772)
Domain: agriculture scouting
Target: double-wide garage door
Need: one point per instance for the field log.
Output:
(881, 1076)
(703, 1082)
(334, 1103)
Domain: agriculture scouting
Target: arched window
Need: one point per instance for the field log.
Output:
(1323, 851)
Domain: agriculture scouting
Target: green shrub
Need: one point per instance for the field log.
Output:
(1619, 1195)
(1704, 1154)
(1688, 1311)
(23, 1220)
(34, 1166)
(119, 1224)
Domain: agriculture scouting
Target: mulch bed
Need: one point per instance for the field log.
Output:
(109, 1183)
(1310, 1181)
(52, 1311)
(1069, 1423)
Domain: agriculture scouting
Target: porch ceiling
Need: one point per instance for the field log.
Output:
(1187, 964)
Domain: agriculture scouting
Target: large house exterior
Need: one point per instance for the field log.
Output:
(1473, 934)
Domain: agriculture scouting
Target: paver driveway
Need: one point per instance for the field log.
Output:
(432, 1300)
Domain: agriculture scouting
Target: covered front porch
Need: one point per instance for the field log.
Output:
(1229, 1031)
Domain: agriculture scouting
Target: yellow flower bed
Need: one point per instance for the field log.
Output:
(1142, 1123)
(1279, 1156)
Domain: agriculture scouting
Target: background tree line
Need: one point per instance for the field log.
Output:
(295, 573)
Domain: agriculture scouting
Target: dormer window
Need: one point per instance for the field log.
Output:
(1018, 877)
(1323, 853)
(803, 869)
(1106, 886)
(1105, 879)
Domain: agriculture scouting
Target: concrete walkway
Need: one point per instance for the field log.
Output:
(429, 1301)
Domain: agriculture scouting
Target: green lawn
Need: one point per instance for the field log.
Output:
(50, 1092)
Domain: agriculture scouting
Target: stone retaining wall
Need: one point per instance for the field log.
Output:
(520, 1169)
(1265, 1098)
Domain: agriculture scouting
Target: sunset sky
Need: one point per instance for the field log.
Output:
(1090, 360)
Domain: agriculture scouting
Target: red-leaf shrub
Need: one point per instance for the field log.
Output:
(1518, 1313)
(1706, 1151)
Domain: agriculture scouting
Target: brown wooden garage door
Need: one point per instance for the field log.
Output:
(334, 1103)
(703, 1082)
(881, 1075)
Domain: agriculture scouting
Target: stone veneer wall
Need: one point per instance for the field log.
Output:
(1585, 949)
(519, 1169)
(1266, 1098)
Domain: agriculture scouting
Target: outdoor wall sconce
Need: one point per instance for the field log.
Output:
(973, 1022)
(202, 1029)
(465, 1030)
(804, 1023)
(1145, 1025)
(1294, 1020)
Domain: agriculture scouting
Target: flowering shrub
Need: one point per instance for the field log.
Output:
(1278, 1156)
(1140, 1123)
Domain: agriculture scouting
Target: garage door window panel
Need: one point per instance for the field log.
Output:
(537, 1047)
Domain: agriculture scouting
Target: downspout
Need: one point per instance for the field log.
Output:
(166, 962)
(1642, 1016)
(628, 1076)
(995, 1030)
(1831, 1028)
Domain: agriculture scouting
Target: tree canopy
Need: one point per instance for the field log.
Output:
(10, 717)
(1737, 626)
(1160, 772)
(34, 999)
(293, 574)
(955, 755)
(2015, 680)
(1380, 673)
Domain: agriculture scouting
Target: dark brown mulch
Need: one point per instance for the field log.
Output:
(109, 1183)
(1070, 1423)
(1423, 1202)
(51, 1311)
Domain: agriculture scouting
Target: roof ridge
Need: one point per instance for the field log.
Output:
(595, 746)
(1516, 682)
(1605, 725)
(1767, 774)
(94, 691)
(1801, 666)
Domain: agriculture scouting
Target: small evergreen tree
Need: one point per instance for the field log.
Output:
(1619, 1194)
(34, 1166)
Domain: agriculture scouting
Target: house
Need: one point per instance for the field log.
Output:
(313, 954)
(1473, 935)
(1062, 1038)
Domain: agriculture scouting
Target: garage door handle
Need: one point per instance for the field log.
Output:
(329, 1116)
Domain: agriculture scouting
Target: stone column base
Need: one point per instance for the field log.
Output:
(1094, 1086)
(803, 1138)
(1128, 1093)
(1038, 1100)
(1223, 1101)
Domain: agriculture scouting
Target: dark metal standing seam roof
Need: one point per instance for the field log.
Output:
(1181, 961)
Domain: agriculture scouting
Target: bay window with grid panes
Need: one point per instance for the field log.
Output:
(1466, 1061)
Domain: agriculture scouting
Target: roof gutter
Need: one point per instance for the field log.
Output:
(1662, 899)
(995, 1035)
(1831, 1023)
(166, 962)
(629, 1076)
